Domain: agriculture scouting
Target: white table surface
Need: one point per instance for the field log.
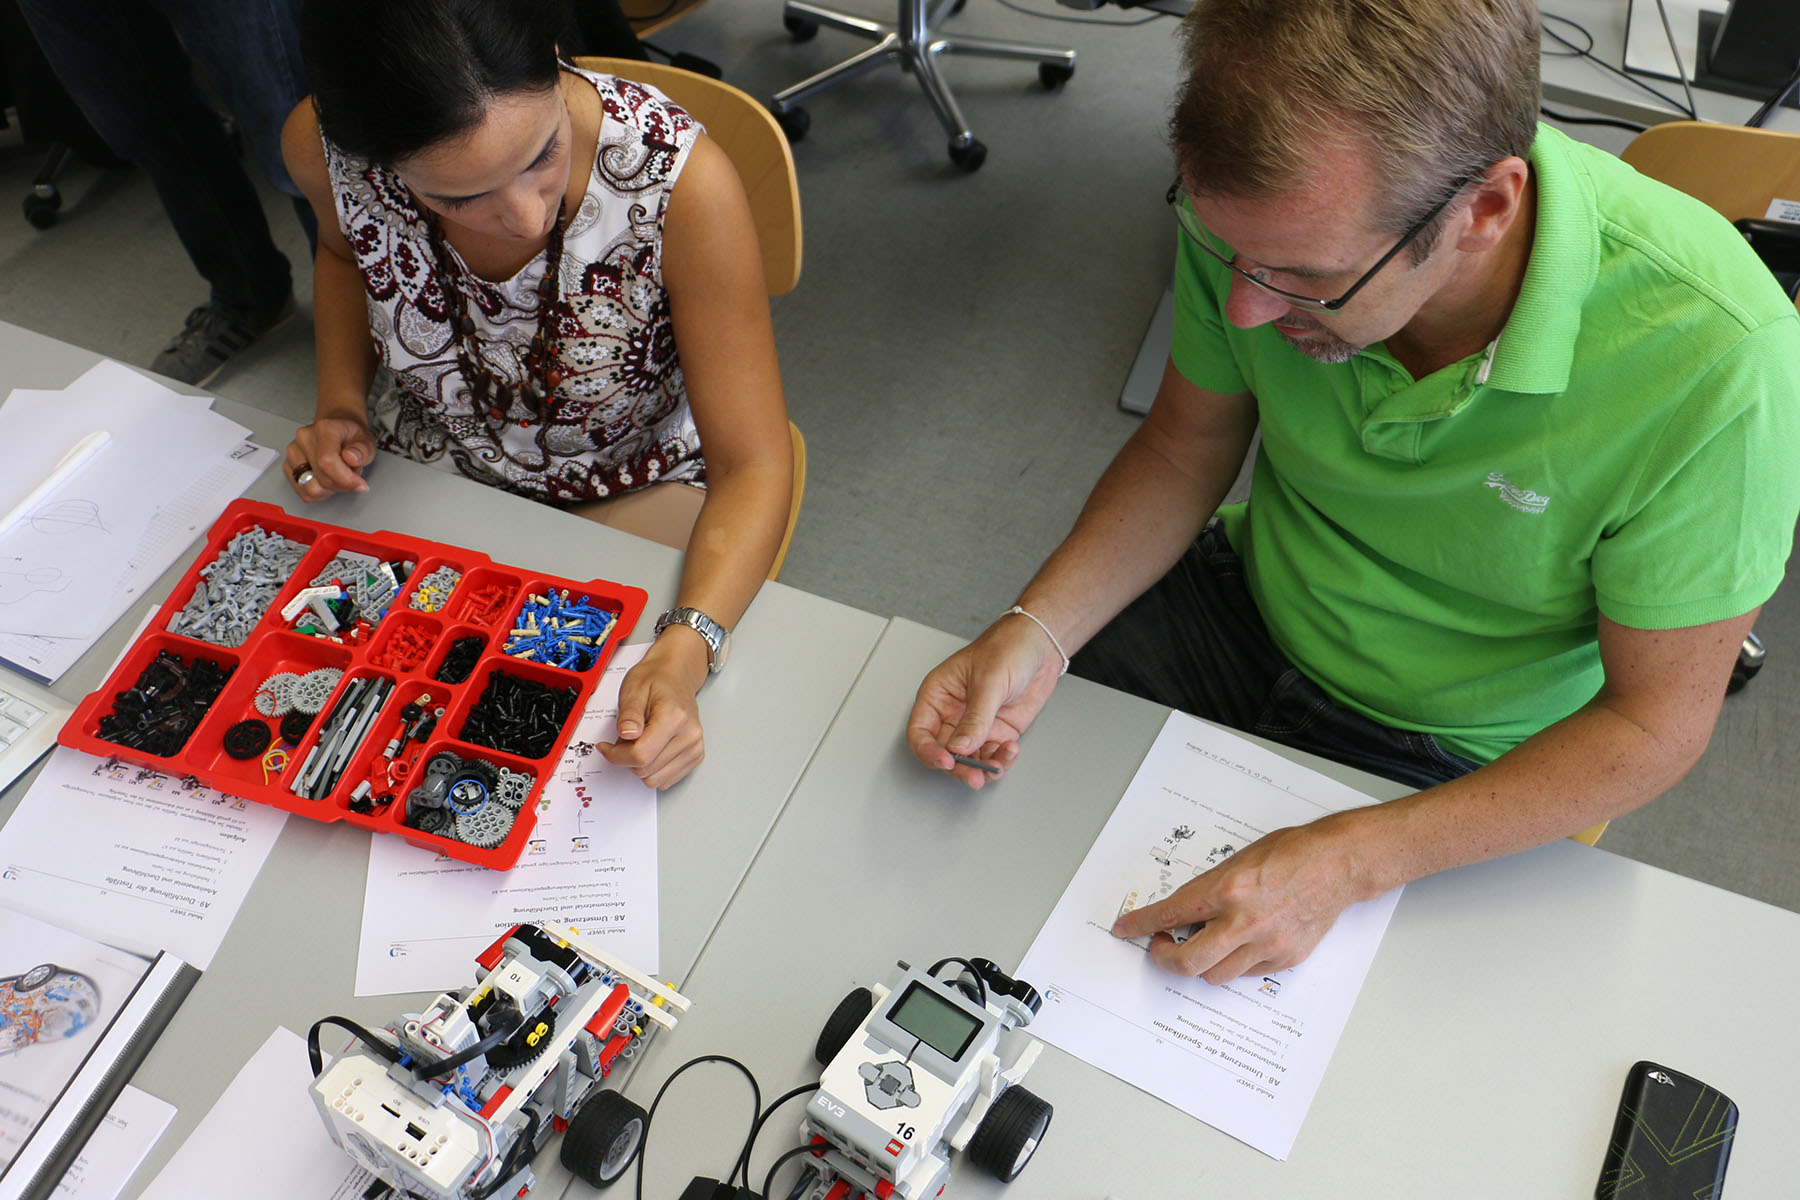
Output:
(290, 956)
(1484, 1057)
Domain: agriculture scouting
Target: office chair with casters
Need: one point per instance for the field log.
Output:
(759, 150)
(1736, 170)
(915, 43)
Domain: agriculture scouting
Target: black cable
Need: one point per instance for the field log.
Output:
(424, 1070)
(509, 1165)
(644, 1138)
(1628, 126)
(1587, 53)
(374, 1043)
(743, 1164)
(1769, 105)
(980, 983)
(1044, 16)
(781, 1161)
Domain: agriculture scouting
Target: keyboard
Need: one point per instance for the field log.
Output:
(30, 717)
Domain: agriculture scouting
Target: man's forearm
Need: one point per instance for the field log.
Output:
(1592, 766)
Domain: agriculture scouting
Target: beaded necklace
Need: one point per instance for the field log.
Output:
(493, 395)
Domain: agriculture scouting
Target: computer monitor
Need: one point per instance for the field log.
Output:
(1753, 44)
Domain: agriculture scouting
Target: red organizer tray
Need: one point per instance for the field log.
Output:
(272, 647)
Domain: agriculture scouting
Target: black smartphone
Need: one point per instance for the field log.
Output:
(1671, 1140)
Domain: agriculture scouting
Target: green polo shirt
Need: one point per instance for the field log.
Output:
(1434, 552)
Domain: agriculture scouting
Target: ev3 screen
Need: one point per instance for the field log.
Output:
(935, 1021)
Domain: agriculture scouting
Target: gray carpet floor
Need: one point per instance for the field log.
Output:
(954, 352)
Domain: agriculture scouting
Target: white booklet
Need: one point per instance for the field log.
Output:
(1246, 1057)
(76, 1018)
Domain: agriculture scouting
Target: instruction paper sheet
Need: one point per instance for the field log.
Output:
(140, 859)
(263, 1138)
(590, 864)
(82, 553)
(1247, 1057)
(117, 1147)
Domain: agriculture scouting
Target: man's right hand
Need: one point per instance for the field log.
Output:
(335, 450)
(982, 699)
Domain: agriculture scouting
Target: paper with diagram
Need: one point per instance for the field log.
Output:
(1246, 1057)
(590, 864)
(79, 554)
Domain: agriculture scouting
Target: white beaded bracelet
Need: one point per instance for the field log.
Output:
(1059, 649)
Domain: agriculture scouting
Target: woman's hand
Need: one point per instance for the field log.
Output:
(335, 450)
(659, 711)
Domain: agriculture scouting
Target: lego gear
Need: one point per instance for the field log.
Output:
(484, 827)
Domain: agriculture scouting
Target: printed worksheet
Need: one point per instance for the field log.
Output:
(144, 860)
(1246, 1057)
(264, 1138)
(590, 864)
(116, 1147)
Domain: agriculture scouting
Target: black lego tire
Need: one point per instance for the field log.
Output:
(799, 28)
(851, 1012)
(604, 1138)
(1009, 1134)
(1054, 75)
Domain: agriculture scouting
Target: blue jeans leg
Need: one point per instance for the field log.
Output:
(124, 66)
(1196, 642)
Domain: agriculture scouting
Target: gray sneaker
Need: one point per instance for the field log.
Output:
(212, 335)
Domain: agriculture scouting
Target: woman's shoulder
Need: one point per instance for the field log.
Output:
(634, 108)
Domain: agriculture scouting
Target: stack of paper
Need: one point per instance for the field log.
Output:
(81, 551)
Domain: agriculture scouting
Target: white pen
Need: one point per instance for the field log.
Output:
(71, 462)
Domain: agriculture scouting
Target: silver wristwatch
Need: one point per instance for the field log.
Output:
(718, 638)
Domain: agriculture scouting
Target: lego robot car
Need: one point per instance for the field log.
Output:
(454, 1102)
(919, 1069)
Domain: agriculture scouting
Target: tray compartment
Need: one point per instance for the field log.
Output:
(458, 653)
(519, 708)
(565, 625)
(405, 641)
(159, 696)
(282, 673)
(322, 778)
(485, 596)
(245, 570)
(480, 810)
(433, 585)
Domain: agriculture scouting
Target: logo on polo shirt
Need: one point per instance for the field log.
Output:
(1523, 499)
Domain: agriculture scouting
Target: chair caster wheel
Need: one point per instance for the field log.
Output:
(1054, 75)
(968, 155)
(956, 6)
(41, 210)
(799, 28)
(794, 122)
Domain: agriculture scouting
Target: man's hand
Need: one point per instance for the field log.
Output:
(659, 737)
(980, 701)
(335, 450)
(1265, 908)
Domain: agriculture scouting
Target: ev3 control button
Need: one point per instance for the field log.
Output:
(889, 1084)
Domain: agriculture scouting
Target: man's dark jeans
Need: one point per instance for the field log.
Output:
(1196, 642)
(126, 63)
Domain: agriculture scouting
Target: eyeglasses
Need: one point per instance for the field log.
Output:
(1190, 225)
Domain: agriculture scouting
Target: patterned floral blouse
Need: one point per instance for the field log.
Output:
(619, 418)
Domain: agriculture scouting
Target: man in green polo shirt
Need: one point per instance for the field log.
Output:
(1529, 465)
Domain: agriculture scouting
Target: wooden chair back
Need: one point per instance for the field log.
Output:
(748, 134)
